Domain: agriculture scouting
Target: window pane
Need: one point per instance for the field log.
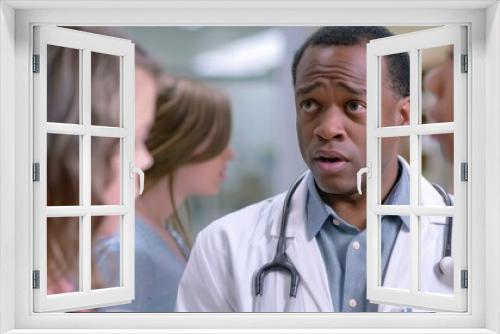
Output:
(437, 165)
(63, 85)
(395, 84)
(436, 262)
(106, 231)
(63, 170)
(63, 254)
(106, 171)
(105, 92)
(394, 188)
(437, 85)
(392, 227)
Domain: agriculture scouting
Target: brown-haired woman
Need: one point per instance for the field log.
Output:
(63, 153)
(189, 144)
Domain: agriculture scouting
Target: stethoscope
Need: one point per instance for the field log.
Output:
(281, 262)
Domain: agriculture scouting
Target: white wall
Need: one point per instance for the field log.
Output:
(7, 175)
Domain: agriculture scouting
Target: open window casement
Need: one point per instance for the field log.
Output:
(429, 222)
(82, 137)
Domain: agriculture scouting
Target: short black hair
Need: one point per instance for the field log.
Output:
(398, 64)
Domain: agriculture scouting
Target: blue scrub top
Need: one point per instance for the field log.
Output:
(158, 270)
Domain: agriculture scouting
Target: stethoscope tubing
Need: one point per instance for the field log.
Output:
(281, 262)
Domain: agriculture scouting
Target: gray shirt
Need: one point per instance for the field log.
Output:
(158, 270)
(343, 246)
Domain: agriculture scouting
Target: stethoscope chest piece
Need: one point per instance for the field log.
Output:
(446, 268)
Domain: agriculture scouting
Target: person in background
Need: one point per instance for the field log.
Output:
(63, 159)
(438, 83)
(189, 144)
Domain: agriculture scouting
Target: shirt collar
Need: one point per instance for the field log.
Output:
(318, 212)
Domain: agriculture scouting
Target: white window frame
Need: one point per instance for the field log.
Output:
(86, 43)
(16, 21)
(413, 43)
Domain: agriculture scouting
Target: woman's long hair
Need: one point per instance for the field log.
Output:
(187, 113)
(63, 103)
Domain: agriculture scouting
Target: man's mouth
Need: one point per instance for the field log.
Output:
(327, 159)
(330, 161)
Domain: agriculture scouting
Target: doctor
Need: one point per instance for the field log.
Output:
(326, 232)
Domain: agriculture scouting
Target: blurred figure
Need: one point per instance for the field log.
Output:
(63, 159)
(189, 144)
(438, 84)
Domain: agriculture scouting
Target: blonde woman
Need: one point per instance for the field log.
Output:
(189, 144)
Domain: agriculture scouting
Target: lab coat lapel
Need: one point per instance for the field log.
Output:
(305, 255)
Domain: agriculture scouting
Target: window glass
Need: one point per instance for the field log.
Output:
(106, 269)
(395, 191)
(63, 170)
(106, 90)
(437, 84)
(437, 165)
(63, 86)
(106, 171)
(62, 258)
(394, 84)
(391, 226)
(441, 227)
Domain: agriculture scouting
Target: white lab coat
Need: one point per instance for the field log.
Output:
(227, 254)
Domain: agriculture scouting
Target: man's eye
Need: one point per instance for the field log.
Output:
(355, 107)
(308, 106)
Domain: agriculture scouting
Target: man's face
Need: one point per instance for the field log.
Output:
(330, 98)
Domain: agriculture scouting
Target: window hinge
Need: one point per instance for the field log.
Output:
(464, 279)
(464, 171)
(36, 172)
(36, 63)
(465, 64)
(36, 279)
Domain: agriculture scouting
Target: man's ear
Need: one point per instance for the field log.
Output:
(403, 111)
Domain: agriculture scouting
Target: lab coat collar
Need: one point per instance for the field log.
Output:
(297, 215)
(313, 277)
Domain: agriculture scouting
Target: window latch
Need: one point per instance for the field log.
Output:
(365, 170)
(135, 170)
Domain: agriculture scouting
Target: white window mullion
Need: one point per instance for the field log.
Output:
(372, 182)
(419, 129)
(414, 169)
(127, 101)
(105, 131)
(407, 210)
(40, 157)
(85, 230)
(66, 129)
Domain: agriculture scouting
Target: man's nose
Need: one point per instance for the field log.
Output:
(332, 125)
